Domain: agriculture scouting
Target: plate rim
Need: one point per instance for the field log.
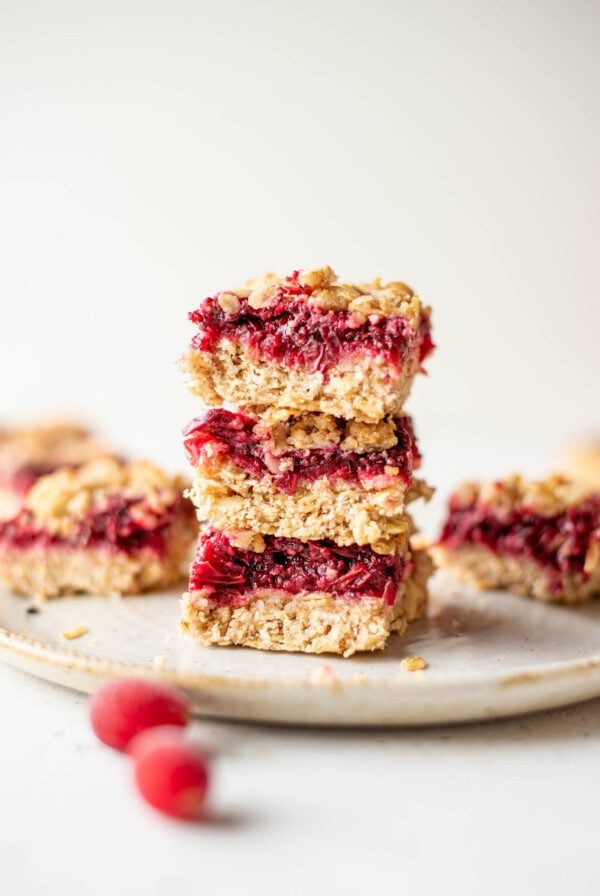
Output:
(40, 651)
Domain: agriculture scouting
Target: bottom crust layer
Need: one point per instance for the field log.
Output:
(61, 571)
(308, 623)
(358, 388)
(345, 513)
(484, 569)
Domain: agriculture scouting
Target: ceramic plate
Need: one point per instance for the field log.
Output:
(489, 654)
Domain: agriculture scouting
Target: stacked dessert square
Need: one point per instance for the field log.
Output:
(305, 480)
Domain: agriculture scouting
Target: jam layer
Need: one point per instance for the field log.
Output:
(559, 543)
(287, 564)
(297, 333)
(233, 436)
(115, 526)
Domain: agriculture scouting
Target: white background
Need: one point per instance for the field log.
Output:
(152, 153)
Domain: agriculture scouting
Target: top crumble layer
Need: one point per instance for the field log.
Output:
(546, 497)
(26, 453)
(59, 502)
(305, 447)
(310, 320)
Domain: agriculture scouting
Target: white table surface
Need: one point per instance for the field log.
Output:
(507, 807)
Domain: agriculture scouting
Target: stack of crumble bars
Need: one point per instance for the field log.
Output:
(305, 483)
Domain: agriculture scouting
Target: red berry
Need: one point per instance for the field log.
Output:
(126, 706)
(171, 772)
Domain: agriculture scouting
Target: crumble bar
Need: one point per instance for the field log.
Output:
(540, 539)
(308, 343)
(106, 527)
(283, 594)
(312, 476)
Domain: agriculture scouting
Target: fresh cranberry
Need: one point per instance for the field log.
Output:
(126, 706)
(171, 773)
(289, 564)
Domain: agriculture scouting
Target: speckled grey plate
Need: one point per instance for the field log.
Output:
(489, 655)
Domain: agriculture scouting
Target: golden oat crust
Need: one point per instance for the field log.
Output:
(485, 569)
(56, 571)
(310, 623)
(344, 512)
(367, 391)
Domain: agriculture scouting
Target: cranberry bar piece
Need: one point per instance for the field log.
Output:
(307, 343)
(105, 528)
(26, 453)
(311, 476)
(536, 538)
(314, 597)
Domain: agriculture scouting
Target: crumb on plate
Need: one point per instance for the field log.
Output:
(75, 632)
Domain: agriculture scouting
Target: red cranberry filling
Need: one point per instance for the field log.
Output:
(299, 334)
(297, 567)
(557, 543)
(116, 526)
(232, 434)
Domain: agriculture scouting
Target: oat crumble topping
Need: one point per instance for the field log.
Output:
(546, 497)
(59, 500)
(313, 430)
(323, 289)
